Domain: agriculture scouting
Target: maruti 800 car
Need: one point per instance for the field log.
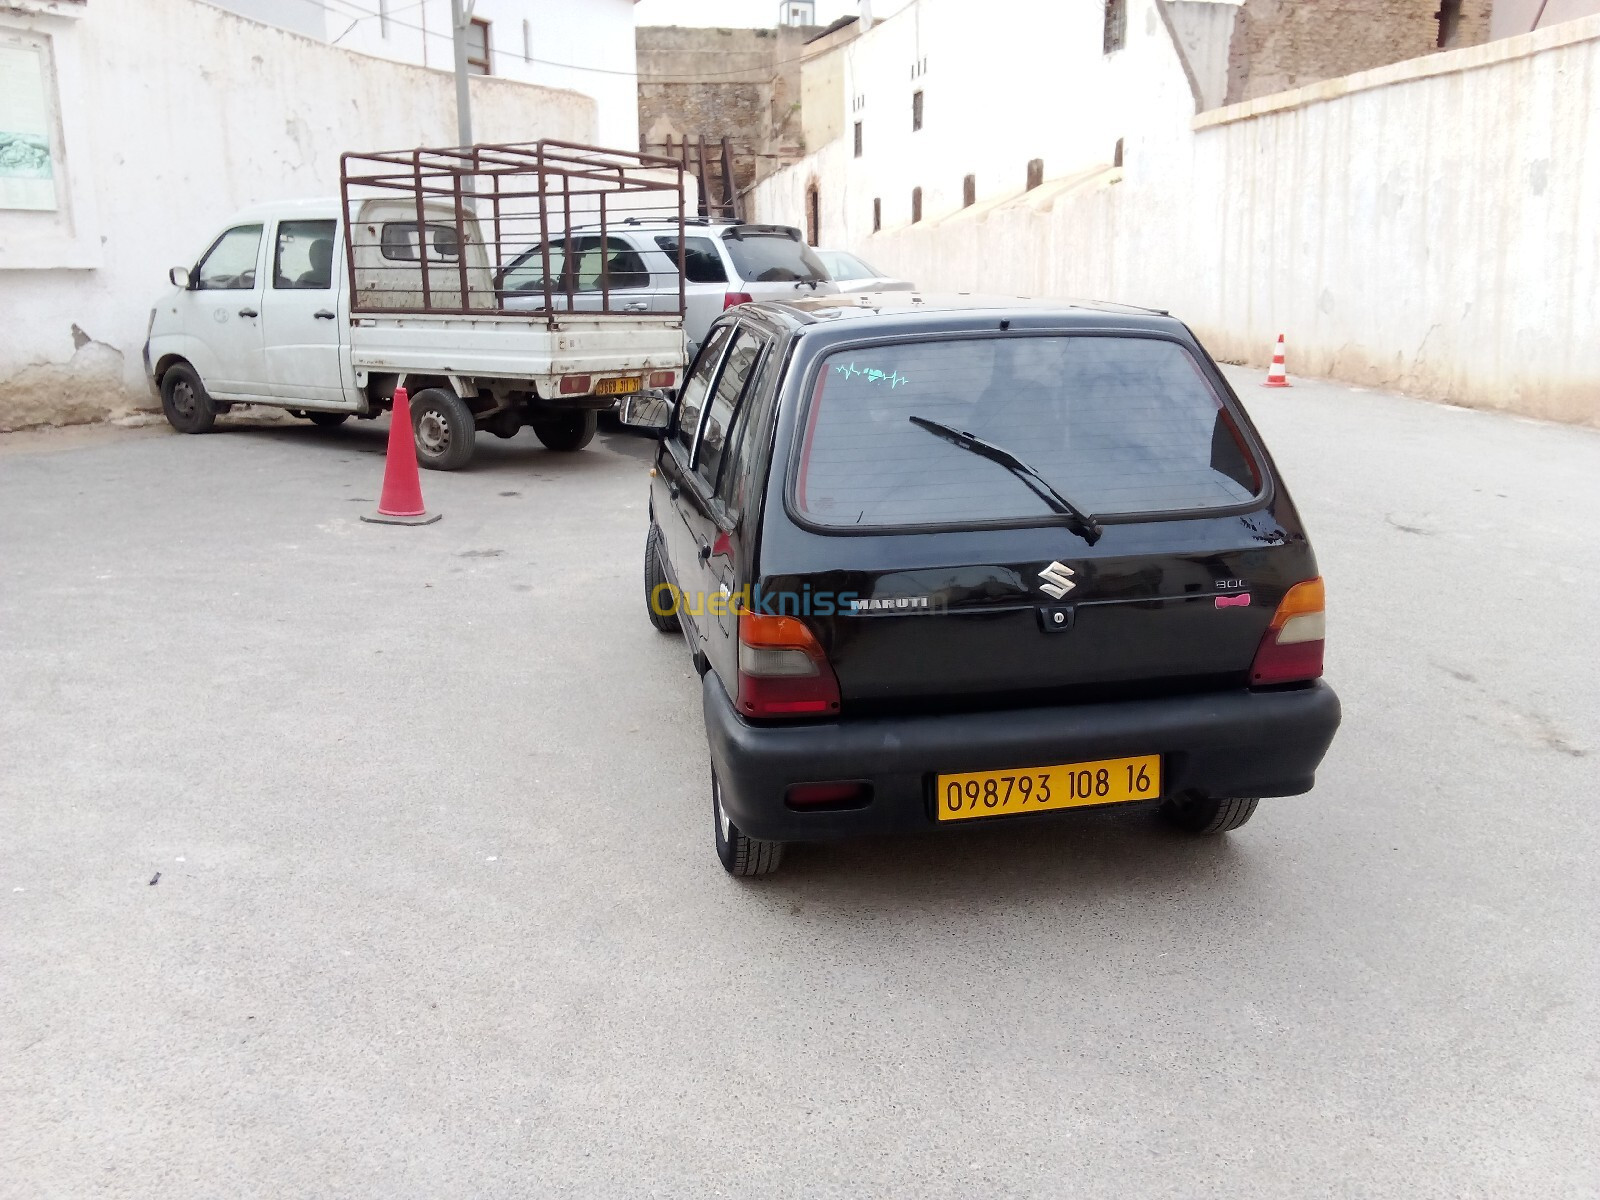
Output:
(941, 560)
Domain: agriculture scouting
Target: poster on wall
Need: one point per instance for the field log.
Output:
(27, 174)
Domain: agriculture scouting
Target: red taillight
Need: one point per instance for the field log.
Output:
(1291, 651)
(782, 669)
(575, 385)
(663, 379)
(828, 795)
(729, 299)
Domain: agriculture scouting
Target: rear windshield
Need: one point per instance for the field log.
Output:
(773, 258)
(1117, 425)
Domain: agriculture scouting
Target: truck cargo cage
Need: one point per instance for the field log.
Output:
(518, 230)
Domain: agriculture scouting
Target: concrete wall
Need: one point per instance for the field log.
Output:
(1431, 226)
(158, 157)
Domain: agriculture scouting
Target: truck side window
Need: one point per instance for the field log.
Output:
(304, 255)
(724, 406)
(230, 264)
(692, 398)
(398, 242)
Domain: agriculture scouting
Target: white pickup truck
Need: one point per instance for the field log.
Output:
(324, 307)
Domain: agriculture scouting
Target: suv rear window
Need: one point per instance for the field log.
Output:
(1118, 425)
(701, 262)
(773, 257)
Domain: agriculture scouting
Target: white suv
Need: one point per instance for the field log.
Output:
(725, 263)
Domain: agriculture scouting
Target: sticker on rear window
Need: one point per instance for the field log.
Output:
(871, 374)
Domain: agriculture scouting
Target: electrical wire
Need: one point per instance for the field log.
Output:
(367, 14)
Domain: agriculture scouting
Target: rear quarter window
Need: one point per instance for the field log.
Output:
(1120, 425)
(773, 258)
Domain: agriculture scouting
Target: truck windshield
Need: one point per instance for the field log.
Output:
(1123, 425)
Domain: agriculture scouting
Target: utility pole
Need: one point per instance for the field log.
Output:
(460, 22)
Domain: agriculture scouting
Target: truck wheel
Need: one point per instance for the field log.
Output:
(325, 420)
(184, 401)
(1205, 817)
(442, 423)
(655, 576)
(569, 431)
(740, 855)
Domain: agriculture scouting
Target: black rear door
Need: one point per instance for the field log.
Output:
(935, 574)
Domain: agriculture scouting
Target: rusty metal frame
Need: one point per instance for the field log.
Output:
(525, 194)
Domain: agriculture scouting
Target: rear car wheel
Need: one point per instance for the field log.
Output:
(1205, 817)
(743, 856)
(184, 401)
(658, 597)
(443, 426)
(567, 432)
(326, 420)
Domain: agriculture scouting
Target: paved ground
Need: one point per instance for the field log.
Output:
(438, 913)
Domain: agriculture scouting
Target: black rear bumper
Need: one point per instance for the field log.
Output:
(1221, 744)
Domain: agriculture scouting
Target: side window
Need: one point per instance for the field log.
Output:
(618, 263)
(230, 264)
(751, 426)
(526, 274)
(304, 255)
(701, 262)
(693, 396)
(724, 405)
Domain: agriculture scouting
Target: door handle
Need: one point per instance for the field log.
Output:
(323, 314)
(248, 312)
(636, 306)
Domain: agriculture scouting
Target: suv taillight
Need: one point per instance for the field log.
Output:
(1292, 649)
(730, 299)
(782, 669)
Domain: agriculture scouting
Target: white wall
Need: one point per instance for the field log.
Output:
(160, 156)
(594, 38)
(1431, 226)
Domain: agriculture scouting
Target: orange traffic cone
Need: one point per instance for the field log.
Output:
(1276, 375)
(401, 502)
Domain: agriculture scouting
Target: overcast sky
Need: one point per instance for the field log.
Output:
(745, 14)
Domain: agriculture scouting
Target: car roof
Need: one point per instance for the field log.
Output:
(947, 309)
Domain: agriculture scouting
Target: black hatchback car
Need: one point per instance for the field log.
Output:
(953, 559)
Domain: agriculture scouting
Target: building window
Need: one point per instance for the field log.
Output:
(1116, 24)
(813, 215)
(1449, 18)
(1035, 173)
(478, 47)
(916, 205)
(1116, 154)
(969, 191)
(858, 139)
(877, 214)
(916, 111)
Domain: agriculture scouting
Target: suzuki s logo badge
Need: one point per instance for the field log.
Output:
(1057, 580)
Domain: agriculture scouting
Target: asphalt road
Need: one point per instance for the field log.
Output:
(438, 912)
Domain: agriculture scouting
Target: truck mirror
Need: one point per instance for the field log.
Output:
(647, 412)
(179, 277)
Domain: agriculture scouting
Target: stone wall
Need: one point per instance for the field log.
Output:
(1284, 44)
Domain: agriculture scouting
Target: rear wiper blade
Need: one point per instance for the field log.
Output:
(1080, 522)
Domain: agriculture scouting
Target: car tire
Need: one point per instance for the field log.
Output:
(184, 401)
(655, 575)
(442, 425)
(327, 420)
(745, 857)
(567, 432)
(1204, 817)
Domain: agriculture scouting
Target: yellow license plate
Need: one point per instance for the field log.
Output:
(617, 387)
(1040, 789)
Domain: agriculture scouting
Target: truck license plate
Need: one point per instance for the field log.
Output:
(618, 387)
(1039, 789)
